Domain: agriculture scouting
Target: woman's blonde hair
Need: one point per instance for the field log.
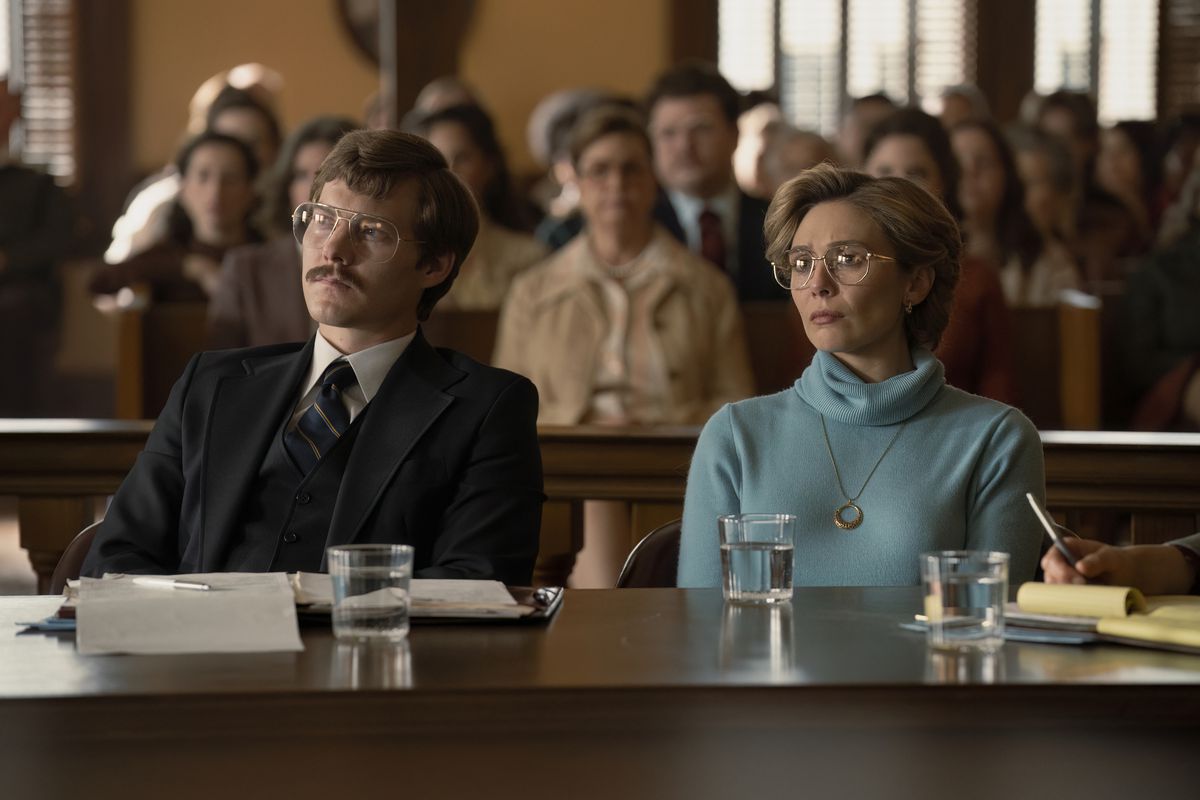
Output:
(918, 226)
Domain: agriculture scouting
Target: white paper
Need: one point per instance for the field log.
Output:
(242, 613)
(431, 597)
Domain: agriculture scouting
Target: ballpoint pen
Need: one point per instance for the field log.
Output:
(170, 583)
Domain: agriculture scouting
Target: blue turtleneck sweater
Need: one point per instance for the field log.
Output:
(954, 479)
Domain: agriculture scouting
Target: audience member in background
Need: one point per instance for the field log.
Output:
(1172, 568)
(1129, 168)
(961, 103)
(438, 94)
(996, 227)
(262, 83)
(1180, 140)
(771, 152)
(976, 348)
(790, 152)
(1048, 174)
(878, 458)
(37, 228)
(238, 114)
(863, 115)
(233, 111)
(1161, 334)
(1105, 232)
(466, 137)
(623, 325)
(210, 215)
(693, 114)
(549, 136)
(258, 299)
(755, 126)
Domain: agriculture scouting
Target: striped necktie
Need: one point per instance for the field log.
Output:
(324, 422)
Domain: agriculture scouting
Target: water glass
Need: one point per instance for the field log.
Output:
(370, 591)
(965, 591)
(757, 553)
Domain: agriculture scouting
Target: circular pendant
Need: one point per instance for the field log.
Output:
(848, 524)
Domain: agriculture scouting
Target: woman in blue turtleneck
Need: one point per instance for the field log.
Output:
(875, 454)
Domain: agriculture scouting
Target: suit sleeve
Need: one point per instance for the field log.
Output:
(491, 526)
(140, 532)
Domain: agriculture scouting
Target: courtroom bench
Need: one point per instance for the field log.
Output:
(60, 469)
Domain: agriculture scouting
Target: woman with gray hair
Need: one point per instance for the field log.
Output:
(879, 459)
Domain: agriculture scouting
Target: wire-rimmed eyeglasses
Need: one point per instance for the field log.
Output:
(374, 238)
(848, 264)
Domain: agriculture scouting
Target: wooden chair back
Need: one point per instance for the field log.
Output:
(1057, 353)
(654, 561)
(154, 344)
(71, 563)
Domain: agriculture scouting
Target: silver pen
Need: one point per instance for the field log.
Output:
(170, 583)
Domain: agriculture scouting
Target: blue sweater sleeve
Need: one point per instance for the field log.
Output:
(713, 488)
(998, 516)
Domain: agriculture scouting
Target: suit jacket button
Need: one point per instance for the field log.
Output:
(303, 498)
(290, 537)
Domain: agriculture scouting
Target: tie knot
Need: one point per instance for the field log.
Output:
(339, 375)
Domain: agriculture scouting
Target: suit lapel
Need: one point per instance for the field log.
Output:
(248, 410)
(410, 399)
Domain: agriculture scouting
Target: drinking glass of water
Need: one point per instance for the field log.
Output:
(757, 551)
(965, 592)
(370, 591)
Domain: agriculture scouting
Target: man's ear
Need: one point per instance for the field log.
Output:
(435, 269)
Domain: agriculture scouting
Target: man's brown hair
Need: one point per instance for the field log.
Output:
(374, 163)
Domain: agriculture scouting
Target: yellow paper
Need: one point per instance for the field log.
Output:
(1164, 630)
(1070, 600)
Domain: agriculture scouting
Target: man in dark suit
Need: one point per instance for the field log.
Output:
(693, 114)
(263, 457)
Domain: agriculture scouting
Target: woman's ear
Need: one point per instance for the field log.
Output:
(920, 283)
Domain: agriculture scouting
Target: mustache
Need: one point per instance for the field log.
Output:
(326, 271)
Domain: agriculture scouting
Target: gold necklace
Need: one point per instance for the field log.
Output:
(856, 520)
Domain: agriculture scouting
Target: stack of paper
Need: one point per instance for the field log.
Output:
(242, 612)
(1113, 611)
(467, 599)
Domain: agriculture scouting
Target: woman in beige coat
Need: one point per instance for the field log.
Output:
(624, 325)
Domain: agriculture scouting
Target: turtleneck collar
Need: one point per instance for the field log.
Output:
(833, 390)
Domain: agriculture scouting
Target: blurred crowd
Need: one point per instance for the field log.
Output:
(619, 272)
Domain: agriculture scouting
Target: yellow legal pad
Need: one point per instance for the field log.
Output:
(1118, 611)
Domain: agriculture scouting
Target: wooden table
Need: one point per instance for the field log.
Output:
(627, 693)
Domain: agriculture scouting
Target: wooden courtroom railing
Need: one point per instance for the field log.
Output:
(58, 468)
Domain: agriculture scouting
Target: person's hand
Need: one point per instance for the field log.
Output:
(1057, 569)
(1154, 569)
